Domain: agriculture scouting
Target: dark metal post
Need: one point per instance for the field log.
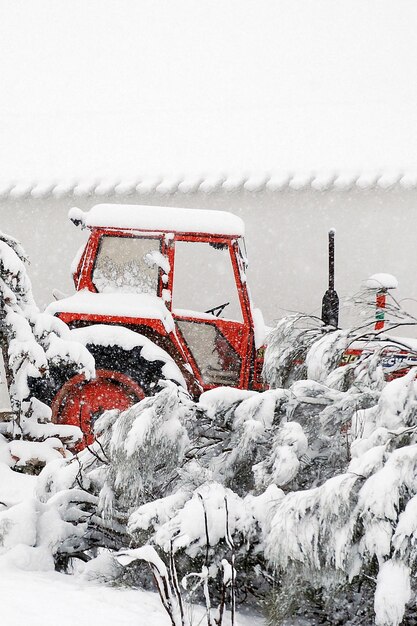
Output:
(330, 304)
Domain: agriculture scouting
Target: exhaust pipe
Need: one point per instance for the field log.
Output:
(330, 303)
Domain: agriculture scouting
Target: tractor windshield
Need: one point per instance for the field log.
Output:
(204, 281)
(127, 264)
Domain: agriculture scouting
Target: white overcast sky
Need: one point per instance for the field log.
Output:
(114, 89)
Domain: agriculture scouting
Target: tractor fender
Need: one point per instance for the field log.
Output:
(110, 336)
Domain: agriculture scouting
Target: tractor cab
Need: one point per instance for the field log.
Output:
(178, 277)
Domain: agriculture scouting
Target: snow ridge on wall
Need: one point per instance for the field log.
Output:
(166, 185)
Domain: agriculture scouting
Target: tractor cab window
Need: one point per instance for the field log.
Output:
(127, 264)
(204, 282)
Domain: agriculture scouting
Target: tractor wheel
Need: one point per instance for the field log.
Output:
(123, 377)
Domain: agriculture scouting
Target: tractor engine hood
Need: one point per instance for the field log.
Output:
(120, 305)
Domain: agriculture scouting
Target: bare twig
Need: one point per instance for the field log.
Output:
(175, 584)
(206, 529)
(162, 586)
(230, 543)
(205, 585)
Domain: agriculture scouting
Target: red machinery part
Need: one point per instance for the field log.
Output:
(80, 400)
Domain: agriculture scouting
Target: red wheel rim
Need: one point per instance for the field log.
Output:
(80, 401)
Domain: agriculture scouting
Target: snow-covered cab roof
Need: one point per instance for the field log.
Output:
(155, 218)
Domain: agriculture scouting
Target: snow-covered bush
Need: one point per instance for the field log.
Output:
(358, 526)
(307, 490)
(166, 473)
(201, 481)
(343, 545)
(31, 343)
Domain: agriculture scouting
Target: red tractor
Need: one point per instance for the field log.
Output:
(160, 292)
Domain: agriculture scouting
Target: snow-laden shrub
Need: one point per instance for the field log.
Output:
(287, 348)
(360, 523)
(308, 490)
(201, 481)
(348, 533)
(31, 342)
(166, 473)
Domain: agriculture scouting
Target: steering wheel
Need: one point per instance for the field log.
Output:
(217, 310)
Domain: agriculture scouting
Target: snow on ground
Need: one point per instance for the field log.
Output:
(48, 598)
(44, 598)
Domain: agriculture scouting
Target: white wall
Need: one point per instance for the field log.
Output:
(286, 239)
